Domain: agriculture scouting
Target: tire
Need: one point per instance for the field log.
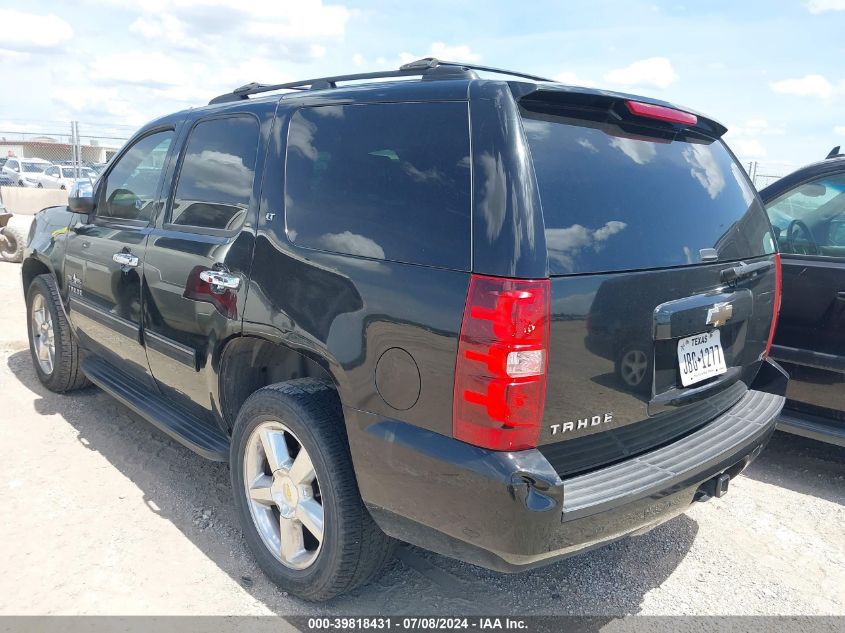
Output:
(65, 373)
(13, 241)
(40, 185)
(353, 549)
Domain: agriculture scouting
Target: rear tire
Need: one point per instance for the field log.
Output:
(303, 415)
(58, 368)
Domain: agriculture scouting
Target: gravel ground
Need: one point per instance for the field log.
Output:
(103, 514)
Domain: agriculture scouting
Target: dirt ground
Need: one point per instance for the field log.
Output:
(103, 514)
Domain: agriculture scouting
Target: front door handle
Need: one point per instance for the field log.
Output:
(840, 295)
(126, 260)
(220, 281)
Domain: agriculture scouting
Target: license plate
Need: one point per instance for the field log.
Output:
(700, 357)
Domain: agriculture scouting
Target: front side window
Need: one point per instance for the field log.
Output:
(34, 168)
(132, 185)
(385, 181)
(217, 174)
(810, 218)
(52, 171)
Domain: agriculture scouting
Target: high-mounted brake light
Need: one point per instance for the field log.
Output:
(776, 308)
(503, 354)
(661, 113)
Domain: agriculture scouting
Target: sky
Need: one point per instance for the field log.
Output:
(771, 71)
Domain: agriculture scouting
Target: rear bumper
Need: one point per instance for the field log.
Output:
(511, 511)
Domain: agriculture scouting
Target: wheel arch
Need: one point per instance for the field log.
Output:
(31, 268)
(249, 362)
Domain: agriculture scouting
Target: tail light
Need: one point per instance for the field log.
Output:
(503, 353)
(777, 302)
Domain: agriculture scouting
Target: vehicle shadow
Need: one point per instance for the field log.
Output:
(802, 465)
(194, 495)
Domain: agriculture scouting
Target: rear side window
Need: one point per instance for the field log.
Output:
(612, 201)
(387, 181)
(217, 174)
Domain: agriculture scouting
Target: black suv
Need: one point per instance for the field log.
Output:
(405, 310)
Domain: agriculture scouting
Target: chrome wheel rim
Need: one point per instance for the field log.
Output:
(283, 495)
(634, 365)
(43, 339)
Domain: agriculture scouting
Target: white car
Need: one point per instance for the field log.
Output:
(25, 171)
(62, 176)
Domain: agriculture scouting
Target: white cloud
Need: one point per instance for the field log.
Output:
(641, 152)
(458, 53)
(704, 168)
(564, 245)
(165, 27)
(358, 59)
(138, 67)
(352, 243)
(654, 72)
(25, 32)
(754, 128)
(297, 30)
(839, 130)
(572, 79)
(445, 52)
(820, 6)
(747, 148)
(806, 86)
(99, 104)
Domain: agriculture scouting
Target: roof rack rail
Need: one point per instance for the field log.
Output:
(834, 153)
(433, 62)
(427, 68)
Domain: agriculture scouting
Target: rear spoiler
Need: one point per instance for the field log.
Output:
(614, 107)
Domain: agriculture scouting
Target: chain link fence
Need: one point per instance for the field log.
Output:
(41, 161)
(52, 156)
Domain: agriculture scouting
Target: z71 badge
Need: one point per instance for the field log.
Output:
(582, 423)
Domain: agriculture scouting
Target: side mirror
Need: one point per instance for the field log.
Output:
(81, 197)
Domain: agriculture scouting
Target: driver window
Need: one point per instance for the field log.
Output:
(132, 185)
(810, 219)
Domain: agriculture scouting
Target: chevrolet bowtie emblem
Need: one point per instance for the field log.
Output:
(719, 314)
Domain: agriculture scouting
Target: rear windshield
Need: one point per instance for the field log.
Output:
(616, 202)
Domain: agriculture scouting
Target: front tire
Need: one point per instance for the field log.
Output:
(55, 353)
(296, 494)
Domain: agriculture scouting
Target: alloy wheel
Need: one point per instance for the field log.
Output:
(283, 495)
(42, 334)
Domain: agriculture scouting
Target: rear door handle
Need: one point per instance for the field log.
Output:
(126, 260)
(220, 281)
